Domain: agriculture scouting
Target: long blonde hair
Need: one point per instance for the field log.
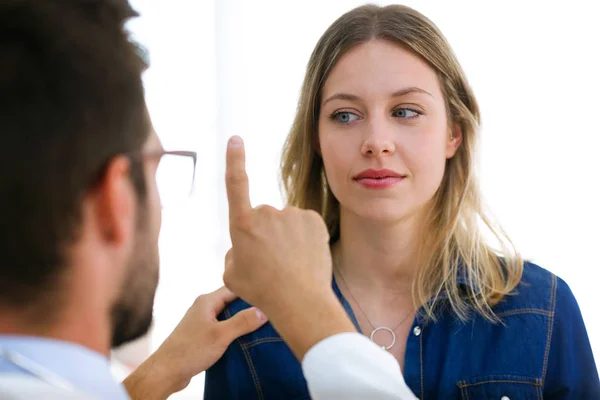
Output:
(455, 250)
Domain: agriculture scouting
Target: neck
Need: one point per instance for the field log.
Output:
(377, 255)
(84, 332)
(72, 319)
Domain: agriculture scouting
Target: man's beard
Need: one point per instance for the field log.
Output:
(132, 314)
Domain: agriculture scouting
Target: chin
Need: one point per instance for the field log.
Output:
(132, 314)
(383, 216)
(384, 210)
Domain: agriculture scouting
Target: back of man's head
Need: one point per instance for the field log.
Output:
(71, 98)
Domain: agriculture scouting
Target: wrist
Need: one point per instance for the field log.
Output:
(309, 320)
(285, 302)
(155, 379)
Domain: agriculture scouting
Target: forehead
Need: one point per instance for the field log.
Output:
(380, 66)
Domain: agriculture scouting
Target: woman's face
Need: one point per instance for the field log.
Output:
(383, 132)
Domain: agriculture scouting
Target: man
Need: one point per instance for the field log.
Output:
(80, 221)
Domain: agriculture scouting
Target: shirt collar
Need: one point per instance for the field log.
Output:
(86, 370)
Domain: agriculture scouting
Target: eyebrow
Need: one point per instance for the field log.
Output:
(399, 93)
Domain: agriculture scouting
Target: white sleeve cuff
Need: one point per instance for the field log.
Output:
(350, 366)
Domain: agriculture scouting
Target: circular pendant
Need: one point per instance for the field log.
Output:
(384, 328)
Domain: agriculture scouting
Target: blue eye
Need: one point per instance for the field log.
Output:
(344, 117)
(405, 113)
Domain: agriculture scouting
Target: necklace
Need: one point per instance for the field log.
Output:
(375, 329)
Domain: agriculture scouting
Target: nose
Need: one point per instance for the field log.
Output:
(378, 140)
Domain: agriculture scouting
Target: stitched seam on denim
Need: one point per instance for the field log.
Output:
(465, 391)
(250, 363)
(539, 392)
(252, 371)
(525, 311)
(550, 325)
(536, 383)
(263, 340)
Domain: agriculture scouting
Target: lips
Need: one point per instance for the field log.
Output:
(378, 178)
(378, 174)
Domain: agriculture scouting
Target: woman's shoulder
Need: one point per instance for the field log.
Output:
(258, 365)
(266, 333)
(233, 308)
(537, 292)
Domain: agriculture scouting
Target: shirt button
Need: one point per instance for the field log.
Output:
(417, 332)
(505, 398)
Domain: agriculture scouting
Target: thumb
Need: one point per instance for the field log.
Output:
(243, 323)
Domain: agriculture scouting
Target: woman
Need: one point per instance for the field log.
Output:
(383, 146)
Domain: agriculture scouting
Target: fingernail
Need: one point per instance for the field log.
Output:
(260, 315)
(235, 142)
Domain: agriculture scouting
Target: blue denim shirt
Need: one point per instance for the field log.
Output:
(540, 351)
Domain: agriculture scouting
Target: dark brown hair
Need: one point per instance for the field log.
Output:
(71, 99)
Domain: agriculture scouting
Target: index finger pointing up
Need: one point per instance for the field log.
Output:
(236, 179)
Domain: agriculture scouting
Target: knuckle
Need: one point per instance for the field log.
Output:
(245, 322)
(266, 209)
(316, 214)
(243, 222)
(291, 209)
(313, 215)
(215, 333)
(228, 257)
(292, 213)
(228, 279)
(200, 301)
(236, 177)
(317, 220)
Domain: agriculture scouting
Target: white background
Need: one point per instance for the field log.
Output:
(225, 67)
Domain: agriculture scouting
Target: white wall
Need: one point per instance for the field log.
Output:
(181, 91)
(227, 67)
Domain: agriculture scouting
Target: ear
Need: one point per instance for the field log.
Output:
(453, 140)
(115, 203)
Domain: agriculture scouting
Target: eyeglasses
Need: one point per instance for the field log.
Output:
(175, 175)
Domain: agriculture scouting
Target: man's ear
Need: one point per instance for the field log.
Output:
(115, 202)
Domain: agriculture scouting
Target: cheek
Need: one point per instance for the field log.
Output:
(332, 170)
(156, 210)
(337, 162)
(154, 204)
(428, 163)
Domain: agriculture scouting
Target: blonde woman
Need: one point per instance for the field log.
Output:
(383, 146)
